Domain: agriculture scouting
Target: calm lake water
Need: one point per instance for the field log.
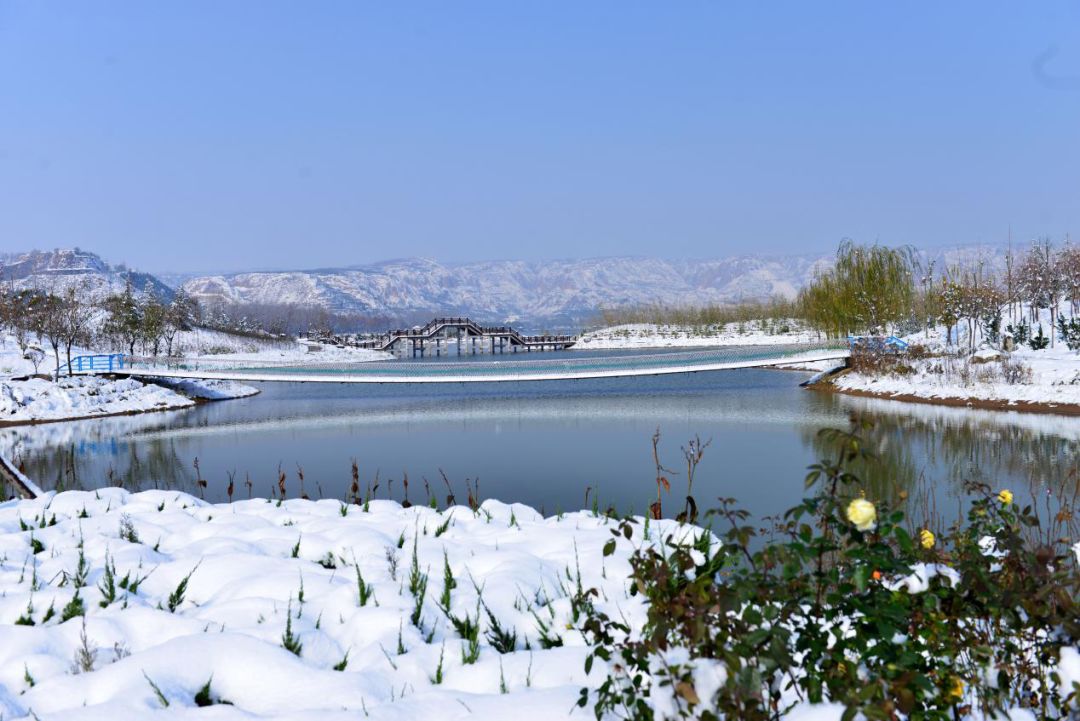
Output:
(545, 444)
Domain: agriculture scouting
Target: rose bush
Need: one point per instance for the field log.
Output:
(844, 605)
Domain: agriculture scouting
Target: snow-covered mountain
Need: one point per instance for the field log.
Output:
(57, 269)
(552, 295)
(563, 292)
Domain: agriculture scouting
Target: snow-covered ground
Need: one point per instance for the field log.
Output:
(1054, 379)
(89, 397)
(202, 343)
(1049, 377)
(14, 365)
(255, 569)
(38, 399)
(81, 397)
(650, 335)
(116, 605)
(208, 389)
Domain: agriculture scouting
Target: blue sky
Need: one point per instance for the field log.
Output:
(232, 134)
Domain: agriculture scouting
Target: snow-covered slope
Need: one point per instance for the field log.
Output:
(259, 571)
(57, 269)
(559, 291)
(81, 397)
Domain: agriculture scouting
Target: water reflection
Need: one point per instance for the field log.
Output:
(83, 455)
(544, 444)
(932, 452)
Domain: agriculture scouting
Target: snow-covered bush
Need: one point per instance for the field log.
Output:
(847, 604)
(1039, 340)
(1020, 333)
(1015, 372)
(1069, 332)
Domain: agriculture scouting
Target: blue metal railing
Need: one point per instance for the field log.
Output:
(87, 363)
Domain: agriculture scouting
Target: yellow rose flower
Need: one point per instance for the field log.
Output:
(926, 539)
(955, 691)
(862, 514)
(1006, 497)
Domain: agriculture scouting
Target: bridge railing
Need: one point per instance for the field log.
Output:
(97, 363)
(431, 328)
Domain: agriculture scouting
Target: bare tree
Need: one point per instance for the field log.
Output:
(77, 311)
(180, 316)
(154, 319)
(49, 324)
(1011, 286)
(1069, 268)
(124, 322)
(7, 305)
(1042, 281)
(950, 303)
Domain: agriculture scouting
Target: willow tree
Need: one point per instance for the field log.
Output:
(868, 290)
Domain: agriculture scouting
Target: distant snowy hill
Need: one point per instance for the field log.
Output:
(538, 295)
(558, 292)
(57, 269)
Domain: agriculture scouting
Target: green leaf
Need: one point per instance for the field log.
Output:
(904, 539)
(861, 576)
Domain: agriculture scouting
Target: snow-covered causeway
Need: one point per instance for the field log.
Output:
(491, 371)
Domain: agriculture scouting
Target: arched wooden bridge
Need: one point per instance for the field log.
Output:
(466, 336)
(587, 366)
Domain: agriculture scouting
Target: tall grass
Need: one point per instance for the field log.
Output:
(703, 316)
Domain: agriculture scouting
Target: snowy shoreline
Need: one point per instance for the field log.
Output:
(36, 401)
(956, 401)
(649, 335)
(1052, 387)
(1024, 379)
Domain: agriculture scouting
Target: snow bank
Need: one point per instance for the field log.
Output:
(251, 564)
(650, 335)
(1055, 379)
(12, 363)
(203, 343)
(80, 397)
(263, 603)
(208, 389)
(949, 376)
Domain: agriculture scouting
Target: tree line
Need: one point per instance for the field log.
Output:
(874, 289)
(61, 318)
(58, 317)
